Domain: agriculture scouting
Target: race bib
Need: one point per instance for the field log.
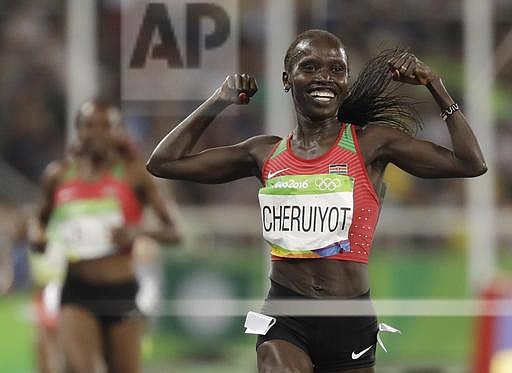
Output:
(83, 229)
(305, 216)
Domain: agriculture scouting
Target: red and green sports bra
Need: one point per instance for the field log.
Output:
(84, 213)
(324, 207)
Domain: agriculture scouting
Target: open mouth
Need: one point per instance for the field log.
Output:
(322, 95)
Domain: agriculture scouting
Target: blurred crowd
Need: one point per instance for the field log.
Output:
(33, 88)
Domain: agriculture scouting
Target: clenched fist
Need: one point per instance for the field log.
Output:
(407, 68)
(237, 89)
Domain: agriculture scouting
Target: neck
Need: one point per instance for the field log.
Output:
(93, 163)
(309, 132)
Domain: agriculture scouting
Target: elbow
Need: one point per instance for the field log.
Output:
(177, 240)
(150, 167)
(174, 237)
(153, 166)
(478, 170)
(482, 169)
(162, 168)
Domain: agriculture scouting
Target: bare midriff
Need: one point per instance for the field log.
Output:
(105, 270)
(322, 277)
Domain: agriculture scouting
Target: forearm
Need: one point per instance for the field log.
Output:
(36, 232)
(181, 140)
(126, 236)
(465, 145)
(169, 235)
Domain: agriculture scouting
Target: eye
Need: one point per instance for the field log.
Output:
(308, 67)
(338, 69)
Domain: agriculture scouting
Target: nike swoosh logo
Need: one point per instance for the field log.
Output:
(359, 354)
(272, 174)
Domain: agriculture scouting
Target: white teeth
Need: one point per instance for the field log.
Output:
(325, 93)
(322, 96)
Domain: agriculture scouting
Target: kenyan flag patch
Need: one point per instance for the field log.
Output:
(338, 168)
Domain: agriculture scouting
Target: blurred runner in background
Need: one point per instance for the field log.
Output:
(90, 215)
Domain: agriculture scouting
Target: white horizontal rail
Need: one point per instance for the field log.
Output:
(229, 307)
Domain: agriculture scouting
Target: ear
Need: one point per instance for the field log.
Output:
(286, 84)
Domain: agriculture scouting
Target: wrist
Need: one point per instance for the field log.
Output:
(439, 93)
(217, 101)
(449, 111)
(434, 83)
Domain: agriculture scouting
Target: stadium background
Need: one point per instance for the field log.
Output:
(421, 249)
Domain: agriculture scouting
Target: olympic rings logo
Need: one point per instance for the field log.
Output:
(327, 183)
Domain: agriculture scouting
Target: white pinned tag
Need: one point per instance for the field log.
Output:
(51, 298)
(385, 328)
(257, 323)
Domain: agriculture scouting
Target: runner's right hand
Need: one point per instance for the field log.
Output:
(234, 85)
(36, 236)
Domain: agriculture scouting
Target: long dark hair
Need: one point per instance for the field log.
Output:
(373, 97)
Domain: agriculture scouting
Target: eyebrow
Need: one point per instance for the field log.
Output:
(309, 58)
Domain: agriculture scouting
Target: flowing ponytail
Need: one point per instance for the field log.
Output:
(373, 98)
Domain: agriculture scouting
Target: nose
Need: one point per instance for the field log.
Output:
(324, 74)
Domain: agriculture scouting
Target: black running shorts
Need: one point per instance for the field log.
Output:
(332, 343)
(109, 303)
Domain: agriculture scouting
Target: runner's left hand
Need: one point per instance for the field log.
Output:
(407, 68)
(124, 236)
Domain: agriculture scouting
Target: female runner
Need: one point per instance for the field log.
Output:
(321, 185)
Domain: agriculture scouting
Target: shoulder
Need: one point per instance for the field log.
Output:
(53, 174)
(260, 146)
(136, 172)
(377, 140)
(54, 171)
(380, 134)
(260, 141)
(139, 179)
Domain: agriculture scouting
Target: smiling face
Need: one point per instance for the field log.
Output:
(317, 75)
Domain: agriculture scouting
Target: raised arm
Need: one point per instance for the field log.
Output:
(173, 157)
(423, 158)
